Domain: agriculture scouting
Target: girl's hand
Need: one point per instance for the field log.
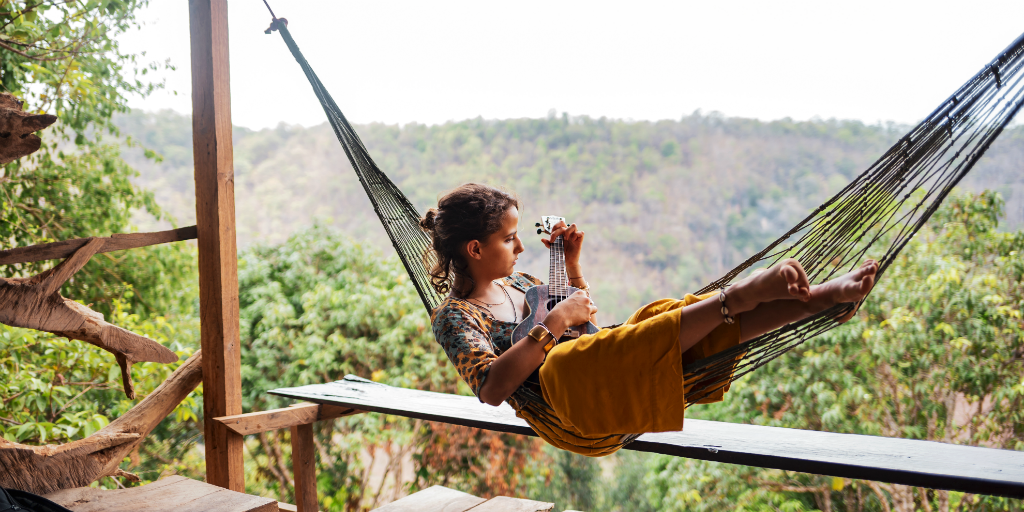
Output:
(572, 240)
(575, 310)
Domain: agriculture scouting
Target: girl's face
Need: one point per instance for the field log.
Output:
(497, 255)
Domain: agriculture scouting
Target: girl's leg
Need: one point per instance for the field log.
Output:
(785, 280)
(769, 316)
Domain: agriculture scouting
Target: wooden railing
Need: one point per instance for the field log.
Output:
(299, 418)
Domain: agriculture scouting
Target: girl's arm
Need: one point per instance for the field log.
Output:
(510, 370)
(512, 367)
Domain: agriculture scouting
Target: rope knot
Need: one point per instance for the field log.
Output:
(275, 25)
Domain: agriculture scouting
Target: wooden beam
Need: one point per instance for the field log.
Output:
(304, 468)
(276, 419)
(900, 461)
(116, 242)
(218, 258)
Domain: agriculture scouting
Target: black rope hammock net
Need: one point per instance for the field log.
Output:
(882, 209)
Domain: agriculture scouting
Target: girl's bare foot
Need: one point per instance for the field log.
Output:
(784, 280)
(852, 287)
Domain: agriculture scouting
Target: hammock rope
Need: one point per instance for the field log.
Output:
(888, 203)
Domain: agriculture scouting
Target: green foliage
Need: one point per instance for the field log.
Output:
(90, 193)
(666, 205)
(63, 58)
(329, 307)
(568, 480)
(314, 309)
(54, 390)
(935, 353)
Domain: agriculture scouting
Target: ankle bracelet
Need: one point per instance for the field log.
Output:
(726, 317)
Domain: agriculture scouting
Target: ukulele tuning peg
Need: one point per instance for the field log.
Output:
(537, 224)
(539, 231)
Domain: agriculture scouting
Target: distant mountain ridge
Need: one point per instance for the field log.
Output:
(666, 205)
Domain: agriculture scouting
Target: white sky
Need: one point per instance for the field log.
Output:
(434, 61)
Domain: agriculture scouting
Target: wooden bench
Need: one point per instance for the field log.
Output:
(900, 461)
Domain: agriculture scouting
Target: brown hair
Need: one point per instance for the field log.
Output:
(470, 212)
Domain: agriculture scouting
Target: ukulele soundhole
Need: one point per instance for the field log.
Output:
(551, 304)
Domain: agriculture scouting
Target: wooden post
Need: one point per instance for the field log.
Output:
(304, 468)
(215, 219)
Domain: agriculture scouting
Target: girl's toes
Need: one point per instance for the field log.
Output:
(799, 292)
(866, 284)
(796, 280)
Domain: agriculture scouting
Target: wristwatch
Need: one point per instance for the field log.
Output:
(543, 336)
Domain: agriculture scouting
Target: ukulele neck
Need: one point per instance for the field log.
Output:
(558, 283)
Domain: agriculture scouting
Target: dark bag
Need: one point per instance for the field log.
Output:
(12, 500)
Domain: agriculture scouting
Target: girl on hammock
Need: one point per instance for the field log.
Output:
(598, 389)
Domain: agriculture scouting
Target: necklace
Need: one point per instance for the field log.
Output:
(496, 304)
(515, 312)
(488, 306)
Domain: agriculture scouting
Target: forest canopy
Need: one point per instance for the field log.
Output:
(935, 353)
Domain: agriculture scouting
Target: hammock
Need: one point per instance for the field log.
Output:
(889, 201)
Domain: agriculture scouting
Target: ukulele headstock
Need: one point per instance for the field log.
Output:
(547, 223)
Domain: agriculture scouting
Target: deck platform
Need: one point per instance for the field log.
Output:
(173, 493)
(901, 461)
(443, 499)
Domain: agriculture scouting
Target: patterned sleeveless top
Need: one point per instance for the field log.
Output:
(472, 338)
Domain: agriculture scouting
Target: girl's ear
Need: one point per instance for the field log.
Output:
(473, 249)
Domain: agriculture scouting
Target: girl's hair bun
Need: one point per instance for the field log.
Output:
(429, 220)
(471, 212)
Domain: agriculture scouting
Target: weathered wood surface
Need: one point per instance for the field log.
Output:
(901, 461)
(215, 221)
(304, 468)
(16, 129)
(276, 419)
(115, 242)
(433, 499)
(50, 468)
(507, 504)
(174, 493)
(443, 499)
(35, 303)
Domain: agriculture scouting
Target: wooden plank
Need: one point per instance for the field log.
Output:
(304, 468)
(506, 504)
(173, 493)
(276, 419)
(901, 461)
(218, 258)
(433, 499)
(115, 242)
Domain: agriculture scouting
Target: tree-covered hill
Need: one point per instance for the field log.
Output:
(666, 205)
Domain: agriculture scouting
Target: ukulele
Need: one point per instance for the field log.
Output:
(540, 300)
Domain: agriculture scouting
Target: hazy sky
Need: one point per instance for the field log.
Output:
(434, 61)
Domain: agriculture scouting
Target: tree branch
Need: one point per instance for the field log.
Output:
(28, 56)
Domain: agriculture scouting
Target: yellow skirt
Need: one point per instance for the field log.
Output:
(622, 381)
